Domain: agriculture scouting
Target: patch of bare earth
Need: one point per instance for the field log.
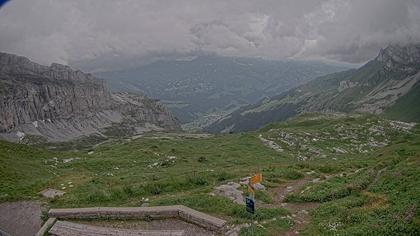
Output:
(299, 211)
(21, 218)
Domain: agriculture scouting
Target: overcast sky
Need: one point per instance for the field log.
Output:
(102, 31)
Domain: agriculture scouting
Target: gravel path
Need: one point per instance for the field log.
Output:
(21, 218)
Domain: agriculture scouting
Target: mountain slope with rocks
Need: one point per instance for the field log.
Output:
(59, 104)
(203, 88)
(386, 85)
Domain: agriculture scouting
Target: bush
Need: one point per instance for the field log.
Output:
(293, 174)
(198, 180)
(222, 176)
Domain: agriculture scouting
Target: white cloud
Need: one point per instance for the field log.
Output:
(95, 31)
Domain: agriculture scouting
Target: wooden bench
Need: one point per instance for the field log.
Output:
(65, 228)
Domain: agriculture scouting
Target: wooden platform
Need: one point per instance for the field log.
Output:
(65, 228)
(160, 212)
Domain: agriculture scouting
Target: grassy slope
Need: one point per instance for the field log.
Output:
(118, 174)
(407, 108)
(323, 94)
(317, 95)
(22, 171)
(380, 199)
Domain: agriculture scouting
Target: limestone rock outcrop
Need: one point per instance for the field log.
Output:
(60, 104)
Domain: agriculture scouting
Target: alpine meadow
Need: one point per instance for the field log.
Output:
(224, 118)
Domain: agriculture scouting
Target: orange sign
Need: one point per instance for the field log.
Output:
(257, 178)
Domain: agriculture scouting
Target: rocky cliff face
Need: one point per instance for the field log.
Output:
(60, 104)
(402, 59)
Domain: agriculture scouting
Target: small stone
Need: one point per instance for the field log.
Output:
(259, 186)
(68, 160)
(230, 191)
(316, 180)
(244, 181)
(51, 193)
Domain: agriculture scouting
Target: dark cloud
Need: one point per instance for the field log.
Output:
(79, 31)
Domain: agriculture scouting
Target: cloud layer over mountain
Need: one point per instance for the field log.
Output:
(105, 31)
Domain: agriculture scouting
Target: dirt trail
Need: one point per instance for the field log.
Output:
(377, 176)
(299, 211)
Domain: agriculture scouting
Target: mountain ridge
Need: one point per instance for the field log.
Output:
(373, 88)
(59, 104)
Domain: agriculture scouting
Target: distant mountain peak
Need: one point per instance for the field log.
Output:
(403, 58)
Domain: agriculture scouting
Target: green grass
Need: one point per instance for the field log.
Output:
(335, 188)
(170, 169)
(366, 204)
(403, 109)
(25, 170)
(121, 173)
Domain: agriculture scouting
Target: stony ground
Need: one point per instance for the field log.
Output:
(22, 218)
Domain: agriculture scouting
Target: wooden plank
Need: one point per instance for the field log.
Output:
(201, 219)
(65, 228)
(50, 222)
(116, 212)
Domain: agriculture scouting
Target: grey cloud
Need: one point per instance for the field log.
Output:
(100, 32)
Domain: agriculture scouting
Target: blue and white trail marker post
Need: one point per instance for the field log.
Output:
(250, 205)
(250, 200)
